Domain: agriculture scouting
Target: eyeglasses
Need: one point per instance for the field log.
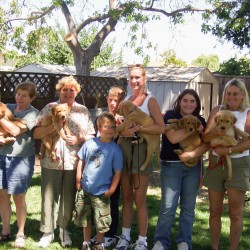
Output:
(108, 127)
(68, 90)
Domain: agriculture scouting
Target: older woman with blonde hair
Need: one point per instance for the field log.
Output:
(235, 99)
(59, 177)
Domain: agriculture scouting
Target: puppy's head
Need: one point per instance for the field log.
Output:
(190, 123)
(61, 111)
(3, 108)
(224, 120)
(125, 108)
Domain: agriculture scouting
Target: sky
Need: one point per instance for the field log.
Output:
(186, 40)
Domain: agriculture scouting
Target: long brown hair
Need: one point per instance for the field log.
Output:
(176, 105)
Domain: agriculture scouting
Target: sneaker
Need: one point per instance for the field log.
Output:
(46, 239)
(158, 246)
(98, 246)
(85, 246)
(109, 241)
(65, 238)
(139, 245)
(122, 244)
(182, 246)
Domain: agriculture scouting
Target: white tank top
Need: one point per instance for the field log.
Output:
(144, 106)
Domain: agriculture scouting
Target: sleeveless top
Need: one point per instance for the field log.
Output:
(144, 106)
(241, 121)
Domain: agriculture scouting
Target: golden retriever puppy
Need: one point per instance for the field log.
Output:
(134, 115)
(191, 124)
(225, 121)
(58, 118)
(5, 113)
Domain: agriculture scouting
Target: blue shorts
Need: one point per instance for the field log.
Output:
(16, 173)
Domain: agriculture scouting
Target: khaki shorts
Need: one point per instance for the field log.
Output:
(92, 210)
(134, 156)
(216, 179)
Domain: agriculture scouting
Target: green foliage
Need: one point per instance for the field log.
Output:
(236, 67)
(169, 58)
(232, 22)
(211, 62)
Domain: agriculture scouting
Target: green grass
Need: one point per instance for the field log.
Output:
(200, 232)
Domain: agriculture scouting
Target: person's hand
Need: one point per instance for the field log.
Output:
(221, 151)
(130, 130)
(186, 156)
(78, 185)
(72, 139)
(108, 193)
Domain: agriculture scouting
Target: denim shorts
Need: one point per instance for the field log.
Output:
(92, 210)
(217, 178)
(16, 173)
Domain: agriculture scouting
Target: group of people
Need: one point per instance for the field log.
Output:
(95, 168)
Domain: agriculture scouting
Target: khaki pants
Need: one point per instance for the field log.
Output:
(58, 190)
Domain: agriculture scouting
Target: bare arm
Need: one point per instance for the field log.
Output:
(11, 127)
(210, 131)
(40, 131)
(175, 136)
(186, 156)
(114, 184)
(79, 171)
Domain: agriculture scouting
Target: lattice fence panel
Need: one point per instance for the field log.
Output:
(93, 89)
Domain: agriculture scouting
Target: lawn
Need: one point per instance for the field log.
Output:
(200, 233)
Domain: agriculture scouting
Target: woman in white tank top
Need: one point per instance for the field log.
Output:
(235, 99)
(134, 182)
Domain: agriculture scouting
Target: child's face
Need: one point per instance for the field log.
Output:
(113, 103)
(107, 130)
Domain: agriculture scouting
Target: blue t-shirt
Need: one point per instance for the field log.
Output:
(101, 161)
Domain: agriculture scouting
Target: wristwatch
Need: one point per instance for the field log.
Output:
(230, 151)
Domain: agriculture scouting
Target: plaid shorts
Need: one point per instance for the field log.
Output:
(92, 210)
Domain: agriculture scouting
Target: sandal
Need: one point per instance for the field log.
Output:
(20, 241)
(5, 237)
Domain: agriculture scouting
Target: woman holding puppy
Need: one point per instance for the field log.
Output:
(59, 176)
(134, 183)
(178, 182)
(17, 160)
(235, 99)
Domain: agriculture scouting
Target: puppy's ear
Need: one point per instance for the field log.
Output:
(234, 120)
(198, 123)
(125, 110)
(216, 119)
(53, 110)
(181, 122)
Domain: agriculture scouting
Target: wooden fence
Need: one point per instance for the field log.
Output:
(93, 89)
(223, 79)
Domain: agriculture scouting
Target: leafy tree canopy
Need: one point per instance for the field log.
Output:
(237, 67)
(211, 62)
(169, 58)
(231, 21)
(21, 21)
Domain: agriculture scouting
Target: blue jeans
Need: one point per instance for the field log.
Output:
(177, 182)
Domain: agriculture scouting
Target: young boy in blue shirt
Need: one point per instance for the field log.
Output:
(98, 174)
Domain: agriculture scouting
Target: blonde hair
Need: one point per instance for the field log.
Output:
(117, 91)
(68, 81)
(239, 83)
